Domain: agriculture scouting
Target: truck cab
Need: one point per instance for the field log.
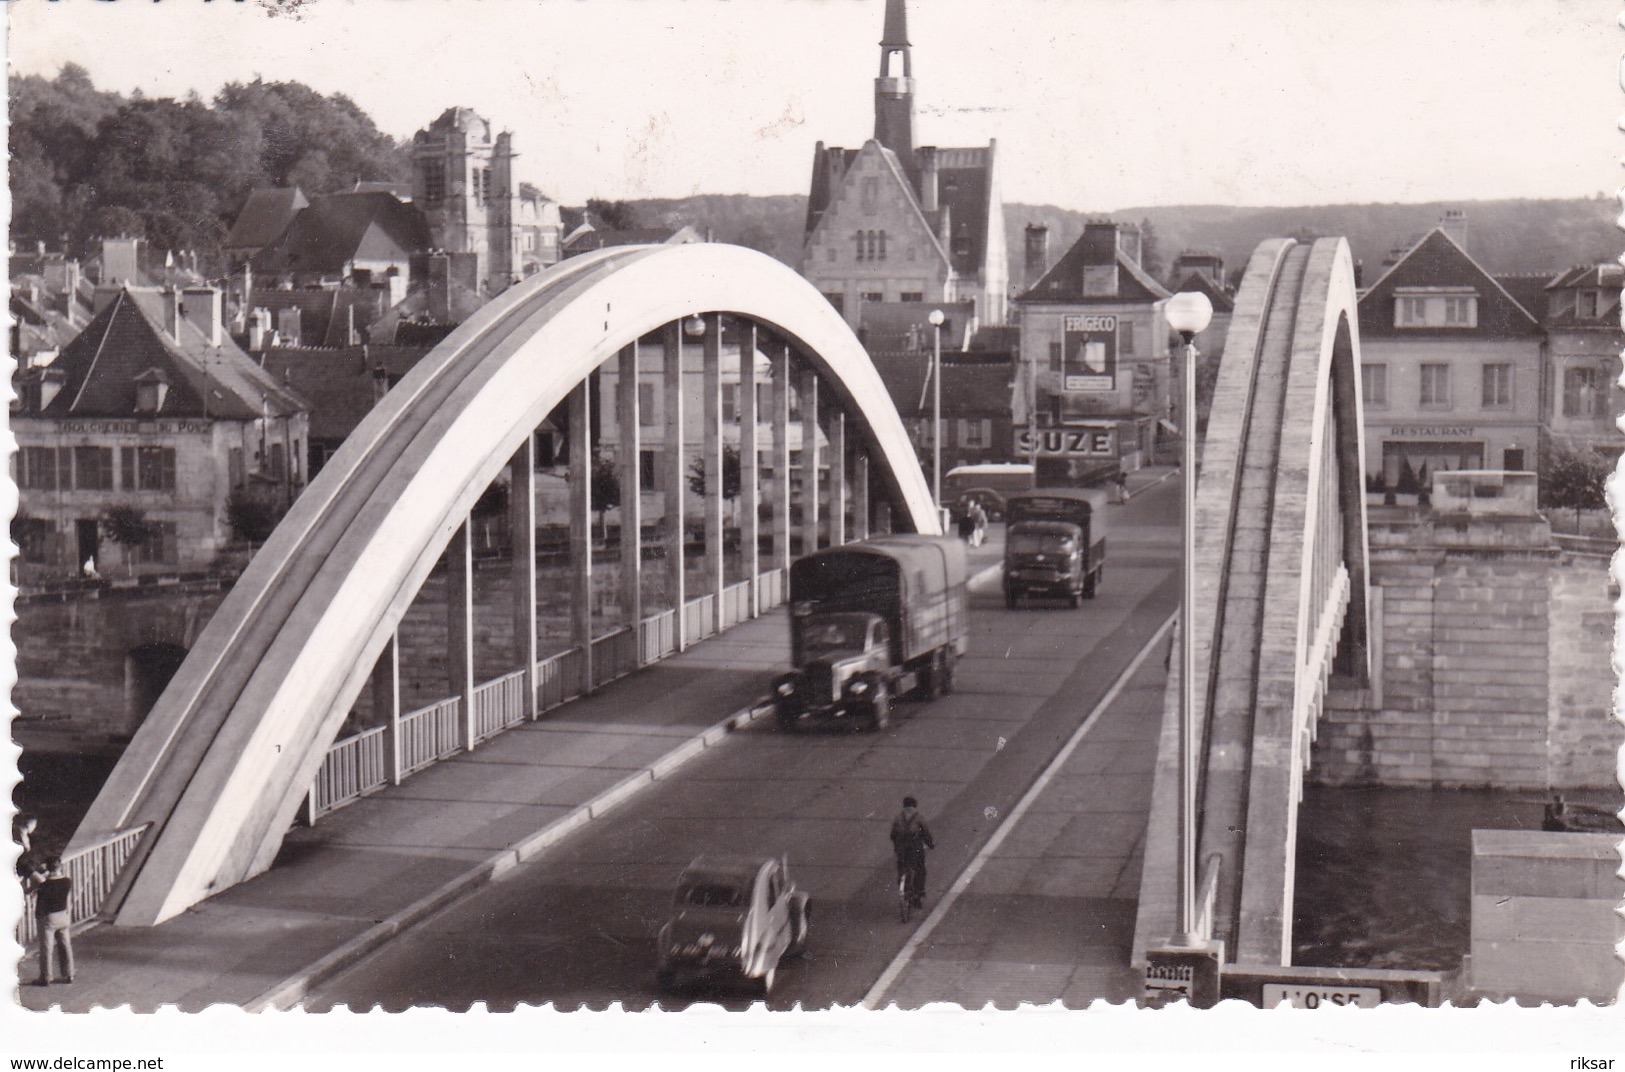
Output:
(841, 660)
(1055, 544)
(870, 621)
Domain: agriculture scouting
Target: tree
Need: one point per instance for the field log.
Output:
(251, 518)
(128, 527)
(605, 488)
(1576, 480)
(730, 473)
(616, 215)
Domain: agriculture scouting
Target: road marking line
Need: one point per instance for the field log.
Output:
(877, 993)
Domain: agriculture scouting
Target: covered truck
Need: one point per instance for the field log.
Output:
(870, 621)
(1055, 544)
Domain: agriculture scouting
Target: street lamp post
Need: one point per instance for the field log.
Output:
(936, 318)
(1188, 313)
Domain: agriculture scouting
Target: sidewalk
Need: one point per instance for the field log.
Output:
(340, 888)
(1147, 477)
(1050, 915)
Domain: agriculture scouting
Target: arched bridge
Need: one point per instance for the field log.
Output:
(219, 769)
(1281, 589)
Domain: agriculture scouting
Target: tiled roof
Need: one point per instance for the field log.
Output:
(127, 339)
(970, 387)
(1528, 291)
(1200, 283)
(1064, 280)
(339, 383)
(339, 228)
(1590, 275)
(1561, 298)
(265, 217)
(997, 339)
(1437, 261)
(323, 316)
(907, 325)
(964, 193)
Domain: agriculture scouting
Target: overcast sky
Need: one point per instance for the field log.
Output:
(1096, 104)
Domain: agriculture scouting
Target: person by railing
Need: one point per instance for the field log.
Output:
(53, 923)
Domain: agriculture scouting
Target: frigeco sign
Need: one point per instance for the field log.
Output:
(1089, 353)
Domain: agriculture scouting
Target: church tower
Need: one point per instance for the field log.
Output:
(894, 89)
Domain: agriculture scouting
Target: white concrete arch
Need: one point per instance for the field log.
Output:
(221, 764)
(1281, 577)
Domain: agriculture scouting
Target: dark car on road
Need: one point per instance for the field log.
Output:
(733, 920)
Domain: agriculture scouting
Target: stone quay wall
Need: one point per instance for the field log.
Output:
(1494, 665)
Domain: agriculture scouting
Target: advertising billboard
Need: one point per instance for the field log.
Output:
(1089, 353)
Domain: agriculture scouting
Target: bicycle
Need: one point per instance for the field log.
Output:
(910, 897)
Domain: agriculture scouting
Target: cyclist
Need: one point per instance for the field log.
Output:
(910, 837)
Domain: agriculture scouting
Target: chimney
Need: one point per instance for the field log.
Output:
(1454, 224)
(1128, 240)
(121, 260)
(1037, 251)
(174, 312)
(206, 311)
(440, 288)
(259, 329)
(1099, 260)
(927, 156)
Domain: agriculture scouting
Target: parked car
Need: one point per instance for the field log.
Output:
(733, 919)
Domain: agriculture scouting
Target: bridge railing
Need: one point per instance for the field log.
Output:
(94, 870)
(699, 616)
(735, 604)
(499, 704)
(657, 636)
(354, 766)
(363, 763)
(428, 735)
(614, 655)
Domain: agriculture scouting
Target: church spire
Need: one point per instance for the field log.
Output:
(894, 89)
(895, 35)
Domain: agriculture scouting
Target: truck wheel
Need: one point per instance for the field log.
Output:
(948, 661)
(879, 709)
(932, 685)
(1073, 600)
(1010, 598)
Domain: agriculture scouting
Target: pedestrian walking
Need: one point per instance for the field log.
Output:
(54, 921)
(1120, 484)
(910, 837)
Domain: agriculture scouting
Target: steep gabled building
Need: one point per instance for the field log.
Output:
(1451, 366)
(151, 413)
(1581, 394)
(893, 222)
(1093, 367)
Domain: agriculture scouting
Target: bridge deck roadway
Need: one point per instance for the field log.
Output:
(1048, 916)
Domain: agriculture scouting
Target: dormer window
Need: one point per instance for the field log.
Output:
(1589, 305)
(1435, 307)
(151, 389)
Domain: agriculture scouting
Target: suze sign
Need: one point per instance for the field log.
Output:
(1313, 997)
(1067, 443)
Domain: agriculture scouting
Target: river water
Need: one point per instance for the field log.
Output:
(1384, 876)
